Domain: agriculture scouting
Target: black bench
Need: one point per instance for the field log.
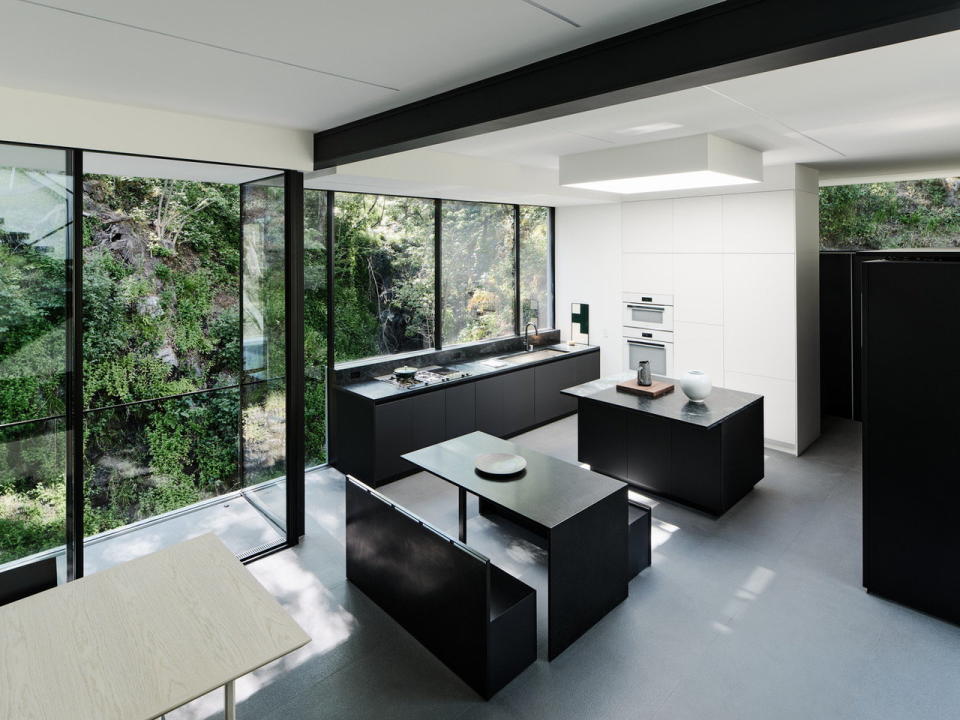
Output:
(638, 534)
(29, 579)
(477, 619)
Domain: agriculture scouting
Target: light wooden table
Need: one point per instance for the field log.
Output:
(140, 639)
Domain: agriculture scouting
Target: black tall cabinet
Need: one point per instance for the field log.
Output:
(911, 433)
(837, 312)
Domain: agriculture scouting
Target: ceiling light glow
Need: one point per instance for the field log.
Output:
(651, 128)
(695, 161)
(662, 183)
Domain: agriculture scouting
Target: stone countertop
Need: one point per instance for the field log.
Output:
(377, 390)
(721, 404)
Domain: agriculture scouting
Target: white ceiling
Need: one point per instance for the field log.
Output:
(306, 64)
(893, 111)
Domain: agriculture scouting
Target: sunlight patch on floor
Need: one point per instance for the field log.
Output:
(749, 591)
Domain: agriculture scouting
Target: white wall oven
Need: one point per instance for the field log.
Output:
(648, 331)
(653, 345)
(647, 310)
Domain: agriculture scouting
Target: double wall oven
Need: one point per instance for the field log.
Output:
(648, 331)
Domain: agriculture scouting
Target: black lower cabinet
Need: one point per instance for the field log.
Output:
(602, 438)
(489, 417)
(460, 408)
(368, 436)
(518, 409)
(911, 537)
(549, 380)
(587, 367)
(505, 403)
(391, 437)
(707, 468)
(405, 425)
(648, 452)
(478, 620)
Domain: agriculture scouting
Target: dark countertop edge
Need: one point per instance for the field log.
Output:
(750, 404)
(398, 393)
(591, 397)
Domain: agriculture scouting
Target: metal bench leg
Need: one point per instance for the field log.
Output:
(229, 702)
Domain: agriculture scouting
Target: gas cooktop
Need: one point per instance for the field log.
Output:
(432, 375)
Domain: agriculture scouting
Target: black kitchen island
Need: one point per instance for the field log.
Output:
(705, 455)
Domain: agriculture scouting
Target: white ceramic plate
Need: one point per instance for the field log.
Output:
(500, 464)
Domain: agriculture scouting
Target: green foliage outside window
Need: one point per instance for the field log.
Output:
(882, 216)
(162, 317)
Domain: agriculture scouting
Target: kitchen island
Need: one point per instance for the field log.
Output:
(705, 455)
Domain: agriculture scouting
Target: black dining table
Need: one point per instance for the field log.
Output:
(581, 515)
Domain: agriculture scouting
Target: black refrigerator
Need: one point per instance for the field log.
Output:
(911, 433)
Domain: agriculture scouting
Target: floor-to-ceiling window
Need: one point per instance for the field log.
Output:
(181, 322)
(315, 315)
(184, 356)
(479, 271)
(35, 215)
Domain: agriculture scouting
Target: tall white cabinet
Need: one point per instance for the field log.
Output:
(743, 271)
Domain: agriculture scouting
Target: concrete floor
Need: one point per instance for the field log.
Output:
(759, 614)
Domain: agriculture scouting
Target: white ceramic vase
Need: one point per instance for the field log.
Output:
(696, 385)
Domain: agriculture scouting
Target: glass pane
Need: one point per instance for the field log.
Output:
(264, 335)
(33, 489)
(160, 284)
(263, 280)
(35, 192)
(156, 473)
(478, 271)
(264, 447)
(384, 270)
(35, 215)
(180, 260)
(150, 458)
(315, 326)
(535, 272)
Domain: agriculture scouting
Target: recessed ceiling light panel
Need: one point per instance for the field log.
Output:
(699, 161)
(651, 128)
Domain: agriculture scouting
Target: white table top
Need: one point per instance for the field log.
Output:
(137, 640)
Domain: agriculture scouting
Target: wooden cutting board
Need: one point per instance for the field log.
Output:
(655, 390)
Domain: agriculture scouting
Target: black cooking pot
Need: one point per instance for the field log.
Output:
(405, 372)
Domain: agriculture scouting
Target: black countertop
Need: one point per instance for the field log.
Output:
(379, 390)
(721, 404)
(548, 492)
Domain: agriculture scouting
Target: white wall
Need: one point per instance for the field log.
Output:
(744, 273)
(46, 119)
(588, 271)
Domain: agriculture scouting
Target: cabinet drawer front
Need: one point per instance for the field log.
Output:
(460, 409)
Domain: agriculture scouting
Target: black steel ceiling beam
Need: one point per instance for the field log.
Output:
(720, 42)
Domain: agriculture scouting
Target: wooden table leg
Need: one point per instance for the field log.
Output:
(463, 515)
(229, 702)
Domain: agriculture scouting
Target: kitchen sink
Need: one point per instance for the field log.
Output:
(521, 358)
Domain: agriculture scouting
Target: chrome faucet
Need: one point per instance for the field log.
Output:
(535, 332)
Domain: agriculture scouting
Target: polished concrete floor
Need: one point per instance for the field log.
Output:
(759, 614)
